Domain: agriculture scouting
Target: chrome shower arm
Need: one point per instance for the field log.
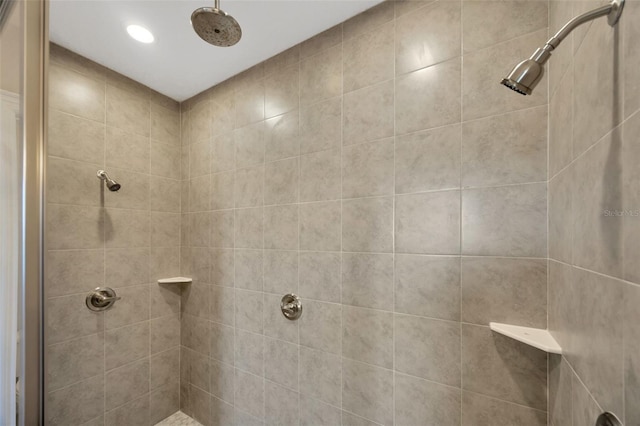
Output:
(577, 21)
(526, 75)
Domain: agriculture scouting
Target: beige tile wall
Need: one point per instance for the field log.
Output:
(379, 171)
(120, 367)
(593, 168)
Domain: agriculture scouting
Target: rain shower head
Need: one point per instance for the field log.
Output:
(215, 26)
(112, 185)
(526, 75)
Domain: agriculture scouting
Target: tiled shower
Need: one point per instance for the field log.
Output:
(379, 172)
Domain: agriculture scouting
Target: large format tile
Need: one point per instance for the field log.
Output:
(320, 126)
(321, 76)
(281, 136)
(503, 368)
(367, 169)
(320, 277)
(368, 58)
(428, 286)
(428, 160)
(320, 176)
(512, 291)
(428, 348)
(505, 221)
(281, 227)
(126, 383)
(480, 17)
(561, 216)
(597, 66)
(368, 113)
(367, 336)
(280, 272)
(75, 138)
(320, 375)
(596, 336)
(74, 227)
(281, 360)
(320, 226)
(631, 335)
(367, 280)
(320, 326)
(127, 111)
(68, 318)
(429, 36)
(479, 410)
(281, 91)
(367, 391)
(73, 271)
(275, 398)
(367, 225)
(78, 403)
(433, 83)
(420, 402)
(70, 182)
(560, 391)
(506, 149)
(439, 234)
(249, 393)
(75, 360)
(598, 232)
(281, 181)
(135, 412)
(76, 94)
(560, 131)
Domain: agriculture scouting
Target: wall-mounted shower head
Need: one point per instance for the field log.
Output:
(526, 75)
(215, 26)
(112, 185)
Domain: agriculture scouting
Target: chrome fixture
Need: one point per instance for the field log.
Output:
(101, 298)
(608, 419)
(111, 184)
(526, 75)
(291, 306)
(215, 26)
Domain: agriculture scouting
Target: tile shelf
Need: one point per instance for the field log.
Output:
(175, 280)
(536, 337)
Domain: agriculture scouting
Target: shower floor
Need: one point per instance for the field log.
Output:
(179, 419)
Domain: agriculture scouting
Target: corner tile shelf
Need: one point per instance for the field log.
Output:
(536, 337)
(175, 280)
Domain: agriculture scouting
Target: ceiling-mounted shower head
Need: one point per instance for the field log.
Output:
(526, 75)
(215, 26)
(112, 185)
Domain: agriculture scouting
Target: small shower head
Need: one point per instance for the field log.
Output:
(112, 185)
(526, 75)
(215, 26)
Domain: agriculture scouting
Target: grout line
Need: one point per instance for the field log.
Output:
(342, 150)
(393, 224)
(460, 224)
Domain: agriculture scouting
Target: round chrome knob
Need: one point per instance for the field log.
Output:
(101, 298)
(291, 306)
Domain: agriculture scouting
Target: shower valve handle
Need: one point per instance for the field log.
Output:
(101, 298)
(291, 306)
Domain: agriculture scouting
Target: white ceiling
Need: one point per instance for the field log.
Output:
(179, 64)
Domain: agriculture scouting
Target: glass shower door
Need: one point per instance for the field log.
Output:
(11, 190)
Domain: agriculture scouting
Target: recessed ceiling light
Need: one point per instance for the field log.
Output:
(139, 33)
